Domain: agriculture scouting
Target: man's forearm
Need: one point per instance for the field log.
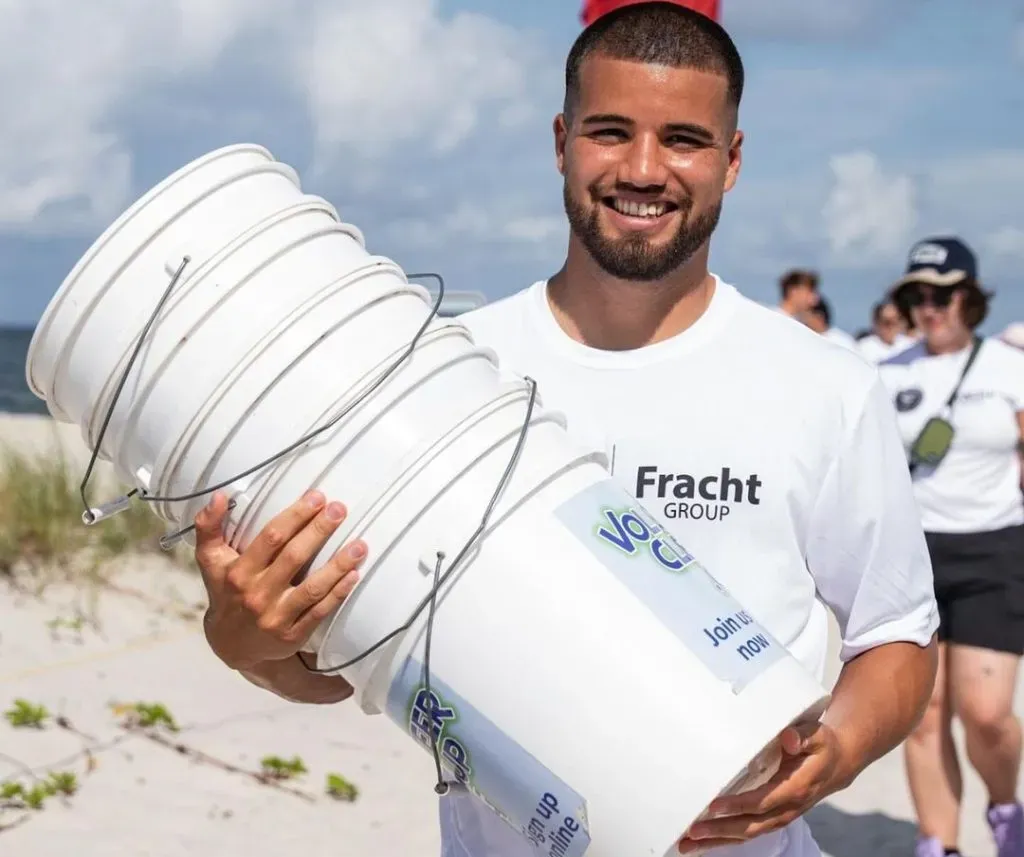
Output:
(290, 680)
(879, 698)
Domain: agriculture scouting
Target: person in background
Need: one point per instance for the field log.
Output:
(1014, 335)
(887, 336)
(799, 290)
(972, 512)
(899, 299)
(819, 319)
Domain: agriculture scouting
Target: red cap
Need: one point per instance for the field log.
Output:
(594, 9)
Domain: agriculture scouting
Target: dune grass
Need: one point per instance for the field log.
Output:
(41, 528)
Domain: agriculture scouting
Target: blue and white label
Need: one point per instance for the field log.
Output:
(673, 585)
(480, 757)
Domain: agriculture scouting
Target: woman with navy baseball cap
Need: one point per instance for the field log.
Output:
(960, 408)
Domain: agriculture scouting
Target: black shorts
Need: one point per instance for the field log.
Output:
(979, 585)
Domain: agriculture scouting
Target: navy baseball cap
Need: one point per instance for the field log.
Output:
(940, 261)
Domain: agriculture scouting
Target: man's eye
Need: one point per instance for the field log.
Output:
(609, 134)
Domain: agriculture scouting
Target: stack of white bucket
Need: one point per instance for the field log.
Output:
(590, 681)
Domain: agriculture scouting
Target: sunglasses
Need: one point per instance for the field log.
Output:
(917, 296)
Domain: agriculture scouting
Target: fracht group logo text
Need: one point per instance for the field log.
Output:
(698, 498)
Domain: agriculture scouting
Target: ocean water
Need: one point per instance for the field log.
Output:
(15, 396)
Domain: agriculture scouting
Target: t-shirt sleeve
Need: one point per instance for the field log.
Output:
(1014, 371)
(866, 550)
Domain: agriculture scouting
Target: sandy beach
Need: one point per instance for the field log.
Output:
(140, 798)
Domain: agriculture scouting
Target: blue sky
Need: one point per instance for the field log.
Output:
(869, 123)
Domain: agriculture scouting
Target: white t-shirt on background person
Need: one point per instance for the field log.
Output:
(976, 487)
(874, 349)
(785, 498)
(841, 337)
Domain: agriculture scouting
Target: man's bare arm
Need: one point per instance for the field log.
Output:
(879, 698)
(291, 680)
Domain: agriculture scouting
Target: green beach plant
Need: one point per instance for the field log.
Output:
(41, 528)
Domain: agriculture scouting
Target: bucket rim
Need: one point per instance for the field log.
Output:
(515, 392)
(169, 460)
(187, 285)
(259, 500)
(94, 249)
(94, 298)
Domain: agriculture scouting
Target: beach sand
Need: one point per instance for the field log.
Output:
(142, 799)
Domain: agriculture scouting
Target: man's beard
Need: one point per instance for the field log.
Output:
(633, 257)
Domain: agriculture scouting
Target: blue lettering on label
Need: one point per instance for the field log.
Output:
(724, 630)
(428, 718)
(629, 530)
(688, 601)
(489, 764)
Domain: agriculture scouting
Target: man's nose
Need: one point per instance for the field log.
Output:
(644, 165)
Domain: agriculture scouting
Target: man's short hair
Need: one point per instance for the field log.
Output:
(823, 311)
(878, 309)
(797, 277)
(657, 33)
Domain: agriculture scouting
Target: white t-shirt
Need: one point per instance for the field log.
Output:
(976, 487)
(874, 349)
(786, 498)
(841, 337)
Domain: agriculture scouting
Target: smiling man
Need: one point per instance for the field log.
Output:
(795, 503)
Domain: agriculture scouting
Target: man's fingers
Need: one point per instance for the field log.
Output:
(280, 529)
(304, 546)
(798, 738)
(781, 790)
(209, 535)
(308, 621)
(745, 828)
(323, 584)
(729, 830)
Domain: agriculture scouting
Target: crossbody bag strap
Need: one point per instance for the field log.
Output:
(963, 374)
(956, 390)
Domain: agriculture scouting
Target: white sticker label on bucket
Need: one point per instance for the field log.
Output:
(479, 756)
(676, 588)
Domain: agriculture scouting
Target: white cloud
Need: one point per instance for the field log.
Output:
(64, 67)
(378, 73)
(370, 73)
(869, 216)
(872, 212)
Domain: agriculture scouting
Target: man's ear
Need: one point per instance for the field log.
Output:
(732, 173)
(561, 129)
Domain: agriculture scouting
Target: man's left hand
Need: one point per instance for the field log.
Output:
(808, 773)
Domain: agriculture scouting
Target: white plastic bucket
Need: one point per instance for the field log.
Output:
(367, 450)
(200, 207)
(555, 641)
(226, 303)
(572, 650)
(250, 391)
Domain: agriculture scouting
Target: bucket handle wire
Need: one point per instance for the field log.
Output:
(94, 514)
(429, 601)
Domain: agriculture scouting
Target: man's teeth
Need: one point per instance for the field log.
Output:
(639, 209)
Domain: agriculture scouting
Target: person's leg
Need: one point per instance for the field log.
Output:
(933, 771)
(982, 683)
(982, 666)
